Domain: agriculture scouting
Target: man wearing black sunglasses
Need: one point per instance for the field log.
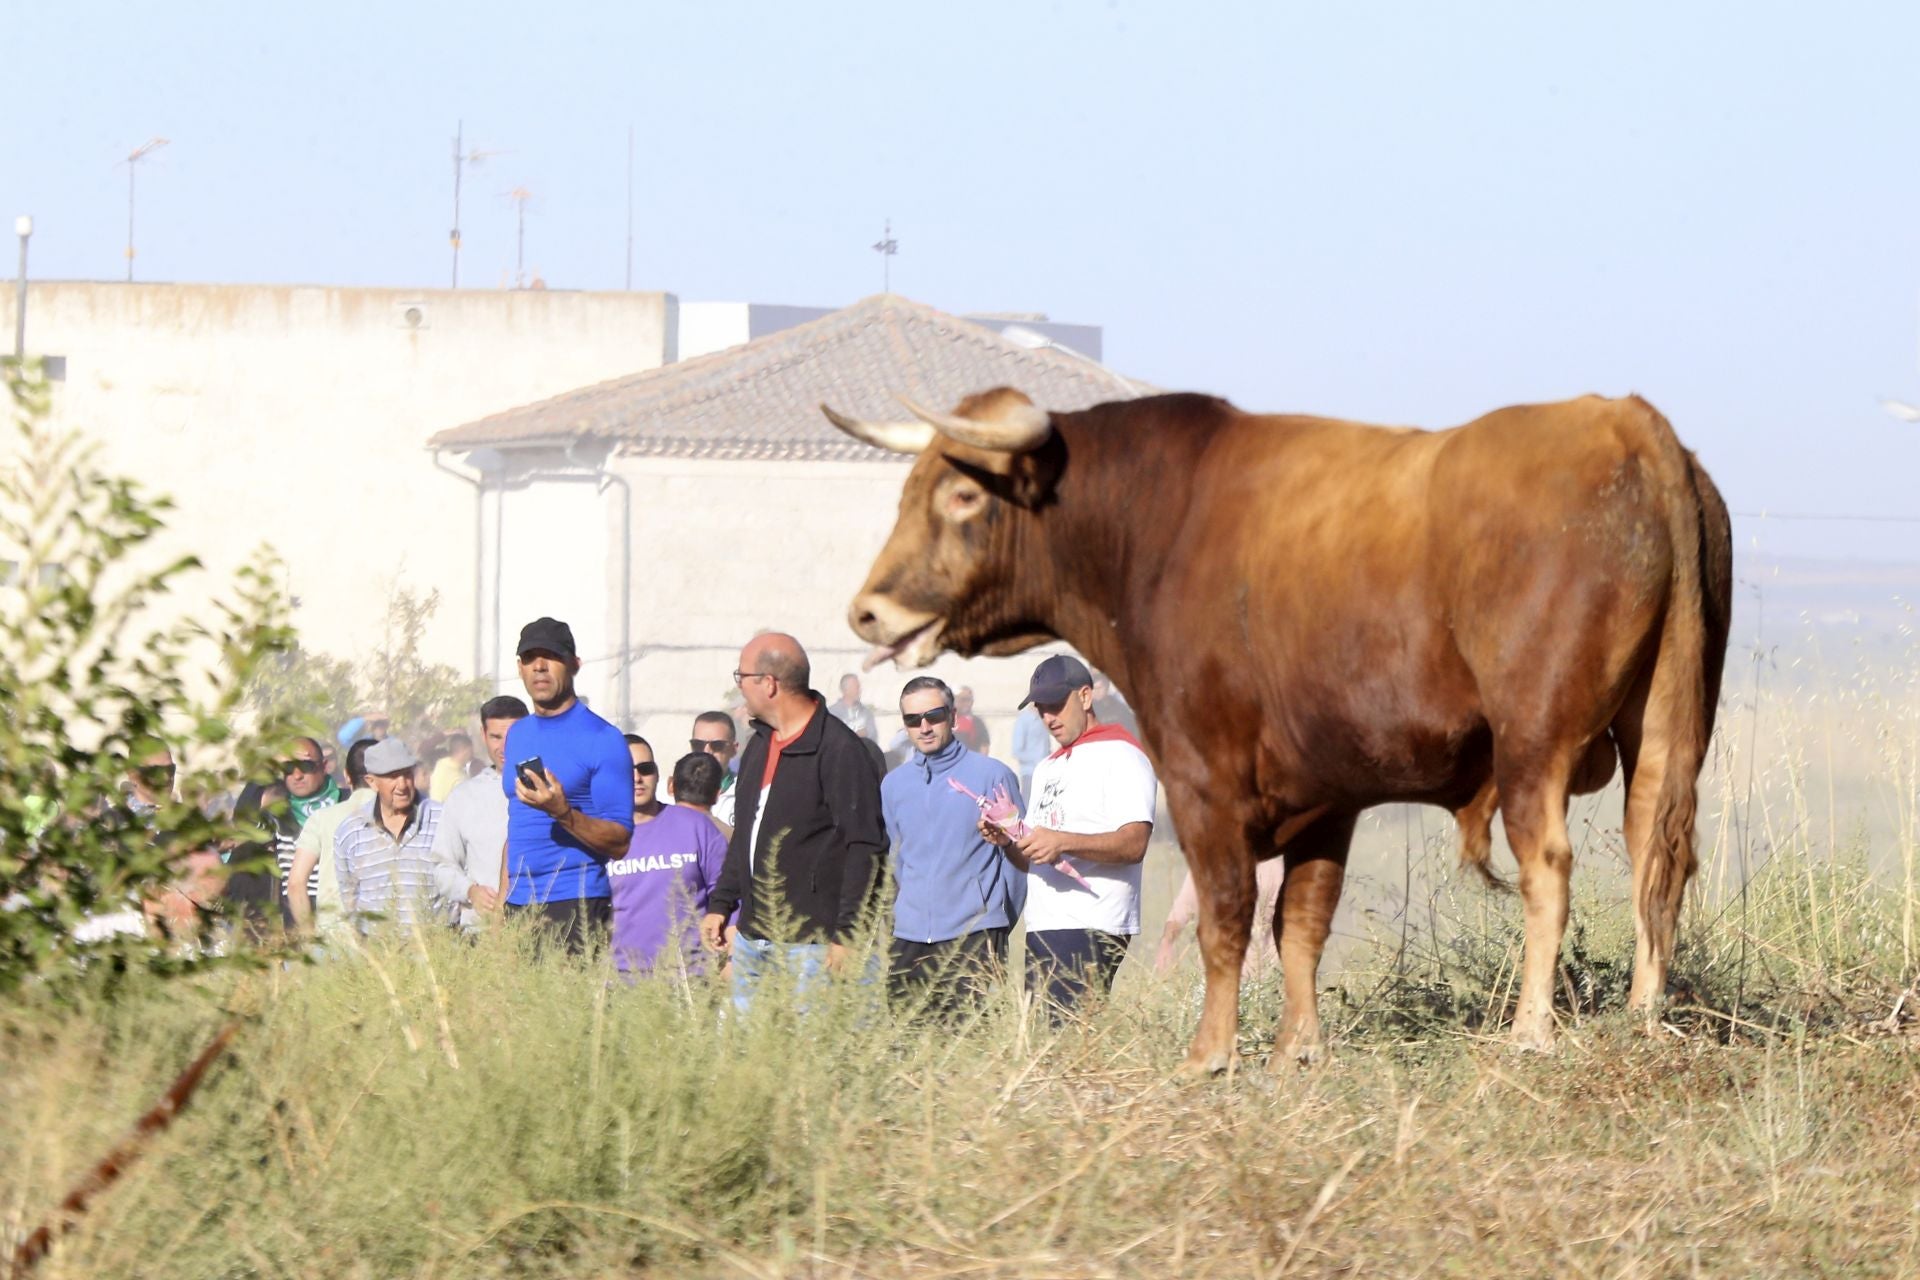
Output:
(259, 872)
(713, 733)
(662, 884)
(956, 898)
(313, 848)
(309, 789)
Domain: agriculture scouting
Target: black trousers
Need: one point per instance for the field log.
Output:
(948, 975)
(1068, 965)
(574, 923)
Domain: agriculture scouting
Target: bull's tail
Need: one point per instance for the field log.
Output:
(1682, 693)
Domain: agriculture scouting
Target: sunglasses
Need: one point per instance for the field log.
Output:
(939, 715)
(715, 746)
(291, 767)
(647, 770)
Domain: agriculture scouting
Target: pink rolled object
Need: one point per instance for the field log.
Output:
(1002, 813)
(1073, 874)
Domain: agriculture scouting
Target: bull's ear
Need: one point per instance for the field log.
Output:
(1024, 479)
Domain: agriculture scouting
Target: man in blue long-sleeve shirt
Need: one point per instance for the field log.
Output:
(958, 896)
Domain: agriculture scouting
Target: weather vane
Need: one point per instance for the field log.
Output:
(886, 247)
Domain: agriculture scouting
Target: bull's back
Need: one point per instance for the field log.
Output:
(1355, 578)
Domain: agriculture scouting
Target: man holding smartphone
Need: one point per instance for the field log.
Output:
(569, 785)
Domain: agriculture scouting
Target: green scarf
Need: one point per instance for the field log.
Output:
(303, 809)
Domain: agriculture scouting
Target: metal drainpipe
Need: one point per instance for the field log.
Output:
(479, 539)
(605, 477)
(499, 574)
(626, 597)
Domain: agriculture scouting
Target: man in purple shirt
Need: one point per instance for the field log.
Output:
(660, 885)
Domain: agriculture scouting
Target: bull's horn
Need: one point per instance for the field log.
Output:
(1018, 429)
(896, 437)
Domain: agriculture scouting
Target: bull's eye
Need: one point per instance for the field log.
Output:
(964, 502)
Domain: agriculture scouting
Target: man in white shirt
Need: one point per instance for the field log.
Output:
(473, 824)
(1091, 808)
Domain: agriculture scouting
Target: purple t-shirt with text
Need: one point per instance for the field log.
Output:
(660, 887)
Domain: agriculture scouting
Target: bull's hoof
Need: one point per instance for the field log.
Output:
(1531, 1039)
(1201, 1067)
(1293, 1052)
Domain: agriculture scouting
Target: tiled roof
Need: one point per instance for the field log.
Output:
(762, 399)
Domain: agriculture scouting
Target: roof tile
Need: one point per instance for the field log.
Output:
(762, 399)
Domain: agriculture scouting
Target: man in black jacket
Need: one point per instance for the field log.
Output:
(808, 838)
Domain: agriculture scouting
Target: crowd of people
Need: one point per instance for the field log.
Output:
(741, 858)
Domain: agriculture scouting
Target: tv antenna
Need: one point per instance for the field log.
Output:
(886, 246)
(462, 158)
(134, 158)
(629, 208)
(520, 197)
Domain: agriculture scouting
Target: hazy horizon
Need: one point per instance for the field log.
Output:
(1402, 214)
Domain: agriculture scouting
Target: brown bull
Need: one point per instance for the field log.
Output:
(1313, 617)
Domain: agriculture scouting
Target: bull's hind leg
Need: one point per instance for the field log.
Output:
(1220, 855)
(1316, 861)
(1533, 807)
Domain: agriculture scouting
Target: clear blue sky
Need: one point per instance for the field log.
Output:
(1407, 213)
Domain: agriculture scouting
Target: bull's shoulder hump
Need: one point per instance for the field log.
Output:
(1282, 436)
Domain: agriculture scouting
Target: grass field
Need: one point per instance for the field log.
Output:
(444, 1109)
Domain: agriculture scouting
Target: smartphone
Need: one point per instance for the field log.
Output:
(531, 770)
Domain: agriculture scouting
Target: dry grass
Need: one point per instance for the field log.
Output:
(438, 1108)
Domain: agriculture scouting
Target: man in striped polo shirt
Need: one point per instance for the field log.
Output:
(383, 855)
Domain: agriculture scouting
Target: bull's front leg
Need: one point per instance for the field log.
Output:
(1226, 921)
(1223, 878)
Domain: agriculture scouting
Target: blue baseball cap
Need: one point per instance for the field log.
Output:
(1057, 677)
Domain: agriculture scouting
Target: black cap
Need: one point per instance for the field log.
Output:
(1057, 677)
(548, 634)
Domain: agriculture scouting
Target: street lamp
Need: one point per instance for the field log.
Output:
(22, 227)
(1034, 340)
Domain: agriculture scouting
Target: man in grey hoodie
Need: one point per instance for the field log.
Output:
(958, 898)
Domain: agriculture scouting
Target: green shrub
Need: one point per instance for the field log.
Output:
(90, 684)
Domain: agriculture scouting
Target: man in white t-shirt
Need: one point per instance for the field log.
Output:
(1091, 808)
(473, 824)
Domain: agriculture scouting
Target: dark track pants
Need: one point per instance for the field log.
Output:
(1068, 965)
(574, 923)
(949, 975)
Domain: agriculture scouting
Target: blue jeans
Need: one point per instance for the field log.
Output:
(755, 958)
(806, 962)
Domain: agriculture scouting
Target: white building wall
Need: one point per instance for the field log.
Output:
(706, 327)
(724, 550)
(298, 416)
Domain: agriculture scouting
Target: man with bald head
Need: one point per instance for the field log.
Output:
(807, 826)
